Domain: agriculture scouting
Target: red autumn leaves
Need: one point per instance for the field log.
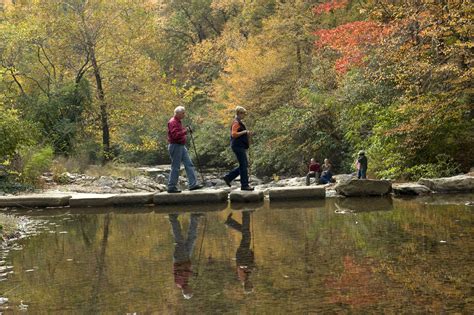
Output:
(350, 40)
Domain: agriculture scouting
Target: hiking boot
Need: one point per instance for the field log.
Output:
(198, 186)
(174, 191)
(249, 188)
(227, 181)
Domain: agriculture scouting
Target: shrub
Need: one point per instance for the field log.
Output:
(35, 162)
(444, 167)
(13, 133)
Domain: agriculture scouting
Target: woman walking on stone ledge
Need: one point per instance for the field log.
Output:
(239, 142)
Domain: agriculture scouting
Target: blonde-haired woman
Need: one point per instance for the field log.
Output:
(239, 142)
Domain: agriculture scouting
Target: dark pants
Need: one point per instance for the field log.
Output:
(312, 174)
(241, 154)
(362, 173)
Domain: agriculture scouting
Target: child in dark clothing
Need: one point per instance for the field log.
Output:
(362, 165)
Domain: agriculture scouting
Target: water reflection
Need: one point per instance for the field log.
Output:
(244, 256)
(183, 250)
(414, 258)
(349, 205)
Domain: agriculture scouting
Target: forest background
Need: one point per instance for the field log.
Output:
(95, 81)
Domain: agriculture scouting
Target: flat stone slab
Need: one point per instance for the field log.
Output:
(132, 199)
(449, 184)
(39, 201)
(410, 189)
(190, 197)
(305, 192)
(91, 200)
(364, 187)
(246, 196)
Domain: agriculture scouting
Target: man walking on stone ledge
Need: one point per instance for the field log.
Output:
(179, 153)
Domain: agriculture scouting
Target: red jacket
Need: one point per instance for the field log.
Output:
(182, 272)
(176, 131)
(314, 167)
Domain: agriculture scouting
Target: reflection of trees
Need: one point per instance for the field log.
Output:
(87, 224)
(356, 285)
(94, 307)
(396, 252)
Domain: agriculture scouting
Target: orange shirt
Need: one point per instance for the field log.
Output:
(235, 128)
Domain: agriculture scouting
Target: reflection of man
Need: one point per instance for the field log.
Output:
(183, 250)
(244, 255)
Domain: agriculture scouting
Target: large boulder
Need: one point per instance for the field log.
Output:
(460, 183)
(410, 189)
(364, 187)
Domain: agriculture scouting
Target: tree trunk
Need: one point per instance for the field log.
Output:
(103, 108)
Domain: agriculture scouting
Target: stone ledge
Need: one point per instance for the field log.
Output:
(305, 192)
(132, 199)
(246, 196)
(459, 183)
(190, 197)
(40, 201)
(91, 200)
(410, 189)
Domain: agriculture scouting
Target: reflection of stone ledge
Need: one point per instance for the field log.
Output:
(364, 204)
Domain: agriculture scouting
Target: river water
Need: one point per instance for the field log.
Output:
(356, 255)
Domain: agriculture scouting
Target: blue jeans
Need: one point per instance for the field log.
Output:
(183, 248)
(178, 154)
(362, 173)
(241, 154)
(325, 177)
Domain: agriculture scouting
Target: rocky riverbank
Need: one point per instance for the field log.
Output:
(154, 179)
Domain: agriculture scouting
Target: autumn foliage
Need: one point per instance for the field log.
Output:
(350, 40)
(329, 6)
(323, 79)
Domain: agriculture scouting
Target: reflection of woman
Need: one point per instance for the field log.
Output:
(183, 250)
(244, 256)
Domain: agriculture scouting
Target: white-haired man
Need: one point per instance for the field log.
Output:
(179, 153)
